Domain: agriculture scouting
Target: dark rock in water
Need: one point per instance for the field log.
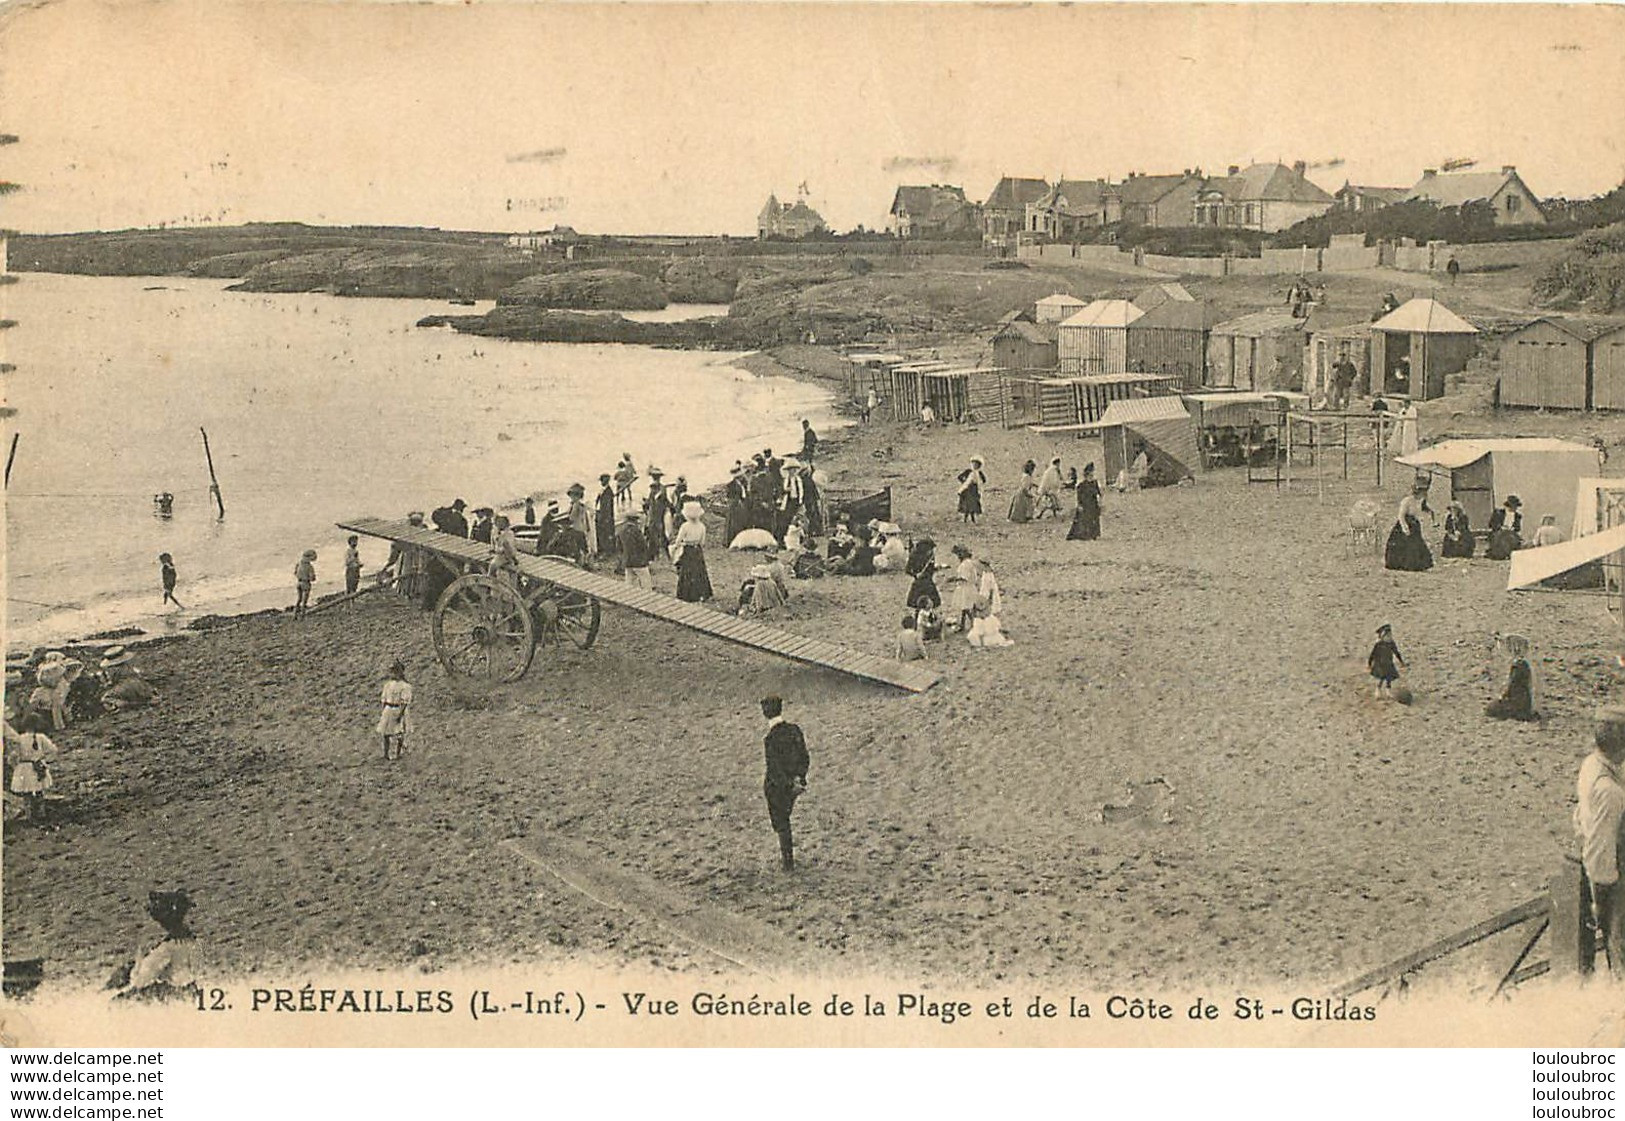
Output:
(586, 290)
(109, 636)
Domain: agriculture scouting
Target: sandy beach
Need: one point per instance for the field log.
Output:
(1177, 773)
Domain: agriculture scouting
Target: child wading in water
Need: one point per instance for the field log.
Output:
(304, 575)
(396, 719)
(166, 570)
(1384, 661)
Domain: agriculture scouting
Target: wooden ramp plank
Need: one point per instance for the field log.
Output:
(729, 628)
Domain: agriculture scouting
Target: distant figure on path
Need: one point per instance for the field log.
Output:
(166, 571)
(304, 576)
(786, 779)
(870, 404)
(1458, 532)
(1384, 661)
(971, 482)
(1086, 517)
(1506, 529)
(352, 564)
(1517, 701)
(809, 443)
(1452, 268)
(449, 519)
(604, 518)
(1597, 823)
(1343, 375)
(634, 551)
(396, 718)
(530, 509)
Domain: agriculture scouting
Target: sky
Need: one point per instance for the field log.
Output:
(673, 118)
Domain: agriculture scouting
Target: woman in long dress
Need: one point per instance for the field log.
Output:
(962, 607)
(1406, 551)
(971, 482)
(1025, 500)
(738, 508)
(1086, 518)
(1458, 533)
(1517, 701)
(693, 580)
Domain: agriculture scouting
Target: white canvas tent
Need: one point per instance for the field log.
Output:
(1531, 566)
(1542, 472)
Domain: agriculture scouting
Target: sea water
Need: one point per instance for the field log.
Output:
(318, 409)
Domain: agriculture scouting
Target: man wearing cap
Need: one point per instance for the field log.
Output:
(786, 779)
(1597, 823)
(449, 519)
(485, 527)
(604, 518)
(634, 551)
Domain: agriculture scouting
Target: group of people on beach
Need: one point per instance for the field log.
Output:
(1407, 549)
(1037, 495)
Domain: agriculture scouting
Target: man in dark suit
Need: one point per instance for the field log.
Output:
(786, 774)
(450, 519)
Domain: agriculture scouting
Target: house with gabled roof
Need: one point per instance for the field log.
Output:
(937, 211)
(1070, 207)
(1265, 196)
(1509, 198)
(1158, 201)
(793, 220)
(1363, 199)
(1004, 214)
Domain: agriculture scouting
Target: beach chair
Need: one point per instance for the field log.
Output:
(1363, 527)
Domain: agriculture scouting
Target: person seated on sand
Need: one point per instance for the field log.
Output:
(1548, 533)
(928, 415)
(1506, 529)
(126, 687)
(807, 564)
(164, 972)
(861, 560)
(893, 553)
(765, 587)
(987, 629)
(841, 542)
(794, 534)
(1458, 532)
(909, 645)
(1517, 701)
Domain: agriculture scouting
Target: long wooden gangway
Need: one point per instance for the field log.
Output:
(811, 651)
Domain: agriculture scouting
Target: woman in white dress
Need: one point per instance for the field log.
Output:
(688, 555)
(969, 576)
(396, 719)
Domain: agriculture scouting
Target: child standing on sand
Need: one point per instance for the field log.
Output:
(166, 570)
(352, 565)
(304, 575)
(396, 719)
(1384, 661)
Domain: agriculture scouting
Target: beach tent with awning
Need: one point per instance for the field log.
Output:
(1531, 566)
(1542, 472)
(1160, 425)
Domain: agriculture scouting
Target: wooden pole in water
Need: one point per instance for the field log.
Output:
(214, 483)
(11, 456)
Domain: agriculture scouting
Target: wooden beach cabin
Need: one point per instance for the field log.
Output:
(1095, 340)
(1332, 336)
(1026, 348)
(1054, 309)
(1434, 339)
(1172, 339)
(1258, 351)
(1075, 404)
(966, 393)
(1608, 368)
(1549, 364)
(1159, 426)
(1544, 473)
(1159, 294)
(903, 383)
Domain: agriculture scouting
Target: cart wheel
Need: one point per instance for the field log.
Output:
(569, 614)
(483, 630)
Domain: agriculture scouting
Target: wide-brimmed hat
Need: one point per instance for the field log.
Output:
(116, 656)
(1384, 629)
(458, 504)
(415, 515)
(1513, 501)
(656, 473)
(977, 459)
(604, 478)
(53, 656)
(960, 551)
(576, 489)
(309, 554)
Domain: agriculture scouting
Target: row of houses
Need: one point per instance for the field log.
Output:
(1265, 197)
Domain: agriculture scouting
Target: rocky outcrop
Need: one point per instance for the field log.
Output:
(546, 325)
(585, 290)
(696, 280)
(439, 274)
